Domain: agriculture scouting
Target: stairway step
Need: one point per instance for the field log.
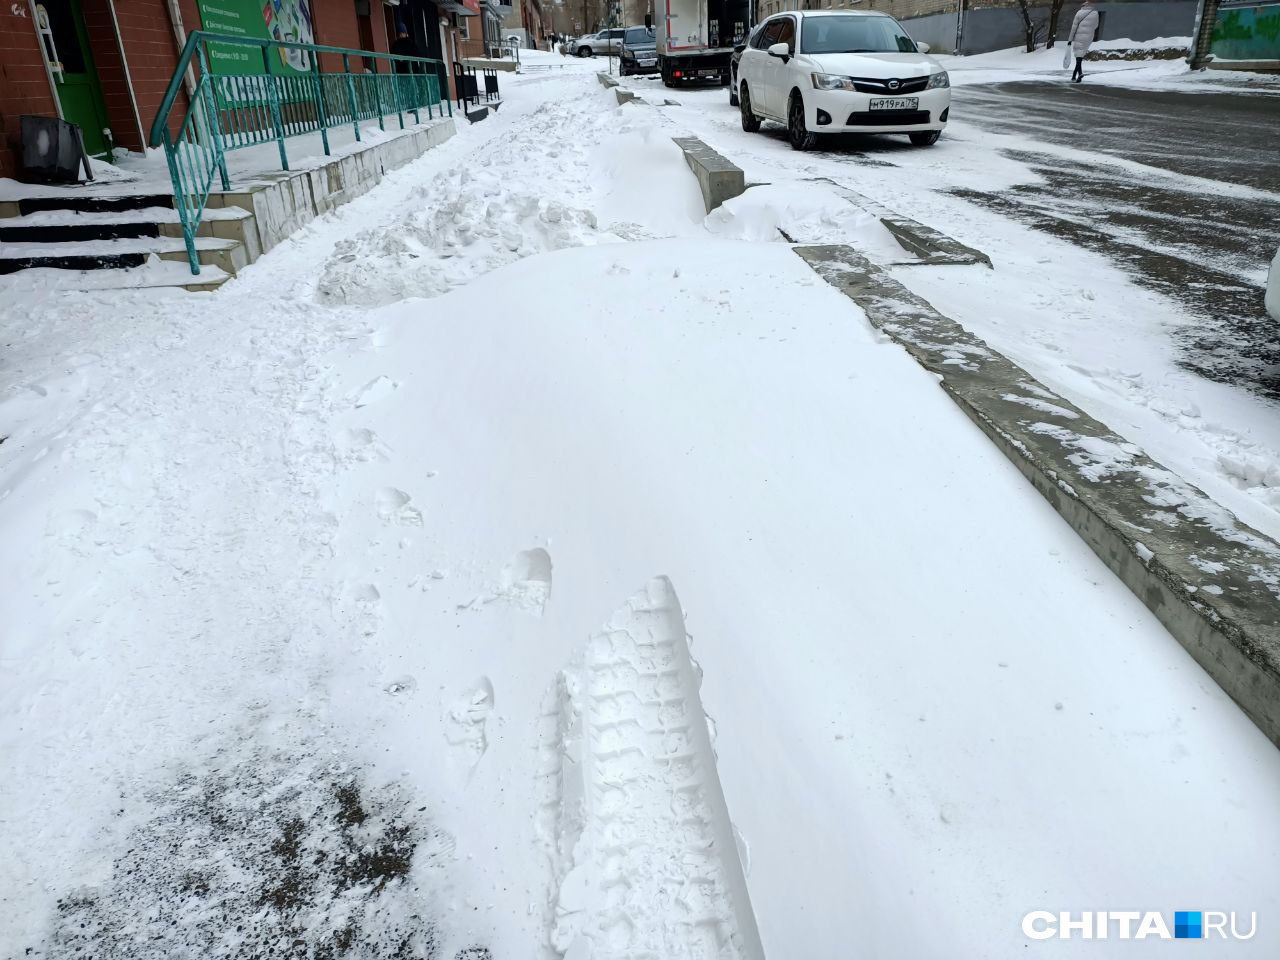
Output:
(124, 252)
(75, 232)
(90, 203)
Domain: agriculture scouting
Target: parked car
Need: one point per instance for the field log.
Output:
(606, 41)
(639, 52)
(733, 64)
(839, 71)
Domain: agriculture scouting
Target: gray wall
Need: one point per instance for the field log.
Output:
(995, 29)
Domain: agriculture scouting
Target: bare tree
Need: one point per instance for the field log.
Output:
(1055, 9)
(1028, 27)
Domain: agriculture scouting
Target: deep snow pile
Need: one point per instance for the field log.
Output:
(358, 627)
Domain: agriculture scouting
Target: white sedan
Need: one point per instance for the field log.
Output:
(836, 71)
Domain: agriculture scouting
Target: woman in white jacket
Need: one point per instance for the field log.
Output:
(1083, 28)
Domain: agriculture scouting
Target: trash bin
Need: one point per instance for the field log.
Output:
(52, 149)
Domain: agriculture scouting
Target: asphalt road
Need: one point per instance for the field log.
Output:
(1206, 248)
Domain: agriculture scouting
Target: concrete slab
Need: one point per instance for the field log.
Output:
(718, 179)
(1211, 580)
(927, 245)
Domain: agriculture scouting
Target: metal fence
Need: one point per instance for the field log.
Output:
(292, 95)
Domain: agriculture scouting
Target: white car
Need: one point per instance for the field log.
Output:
(838, 71)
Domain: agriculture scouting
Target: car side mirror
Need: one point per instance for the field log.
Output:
(780, 50)
(922, 47)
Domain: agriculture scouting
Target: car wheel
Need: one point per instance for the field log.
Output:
(584, 52)
(797, 133)
(750, 122)
(733, 96)
(926, 138)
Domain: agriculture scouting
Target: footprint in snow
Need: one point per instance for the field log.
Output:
(374, 390)
(464, 722)
(526, 580)
(395, 506)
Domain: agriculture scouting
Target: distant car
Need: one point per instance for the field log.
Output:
(839, 71)
(606, 41)
(733, 64)
(639, 52)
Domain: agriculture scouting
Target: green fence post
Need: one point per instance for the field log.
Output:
(211, 116)
(377, 91)
(396, 81)
(273, 96)
(417, 95)
(351, 95)
(321, 114)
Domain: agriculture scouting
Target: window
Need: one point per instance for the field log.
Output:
(464, 28)
(639, 35)
(767, 35)
(787, 34)
(855, 34)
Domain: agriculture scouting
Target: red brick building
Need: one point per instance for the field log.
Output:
(105, 64)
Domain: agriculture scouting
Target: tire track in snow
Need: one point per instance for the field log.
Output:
(643, 850)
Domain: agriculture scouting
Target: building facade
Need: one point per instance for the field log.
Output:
(105, 64)
(529, 21)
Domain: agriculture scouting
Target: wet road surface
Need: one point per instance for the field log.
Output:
(1206, 248)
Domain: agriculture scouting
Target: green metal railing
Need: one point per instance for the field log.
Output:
(293, 95)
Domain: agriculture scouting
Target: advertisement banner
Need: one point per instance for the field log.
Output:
(1247, 31)
(288, 20)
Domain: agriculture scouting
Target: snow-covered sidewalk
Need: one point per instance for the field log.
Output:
(345, 603)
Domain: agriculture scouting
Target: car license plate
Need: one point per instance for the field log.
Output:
(708, 73)
(647, 63)
(896, 103)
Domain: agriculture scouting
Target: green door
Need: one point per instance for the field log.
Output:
(74, 74)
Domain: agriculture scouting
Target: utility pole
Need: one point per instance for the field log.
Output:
(960, 28)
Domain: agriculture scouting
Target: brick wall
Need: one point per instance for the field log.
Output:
(24, 87)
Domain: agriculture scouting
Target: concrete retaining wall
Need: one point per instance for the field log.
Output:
(283, 203)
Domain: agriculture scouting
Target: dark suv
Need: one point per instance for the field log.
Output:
(639, 52)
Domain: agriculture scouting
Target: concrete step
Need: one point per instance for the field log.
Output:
(228, 255)
(89, 203)
(69, 226)
(153, 275)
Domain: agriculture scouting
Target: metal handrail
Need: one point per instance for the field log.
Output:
(230, 111)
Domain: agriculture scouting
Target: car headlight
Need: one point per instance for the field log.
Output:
(939, 80)
(829, 81)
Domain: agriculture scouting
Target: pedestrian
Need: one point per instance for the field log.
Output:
(1083, 29)
(404, 46)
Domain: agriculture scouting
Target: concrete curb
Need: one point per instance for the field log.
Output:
(1211, 580)
(718, 179)
(606, 80)
(927, 244)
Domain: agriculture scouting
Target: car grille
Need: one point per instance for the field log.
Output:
(887, 118)
(870, 85)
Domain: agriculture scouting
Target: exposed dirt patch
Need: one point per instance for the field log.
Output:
(266, 858)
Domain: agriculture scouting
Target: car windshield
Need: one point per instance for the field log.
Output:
(639, 35)
(853, 34)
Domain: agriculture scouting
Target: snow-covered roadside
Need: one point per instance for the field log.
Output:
(1015, 63)
(299, 577)
(1069, 316)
